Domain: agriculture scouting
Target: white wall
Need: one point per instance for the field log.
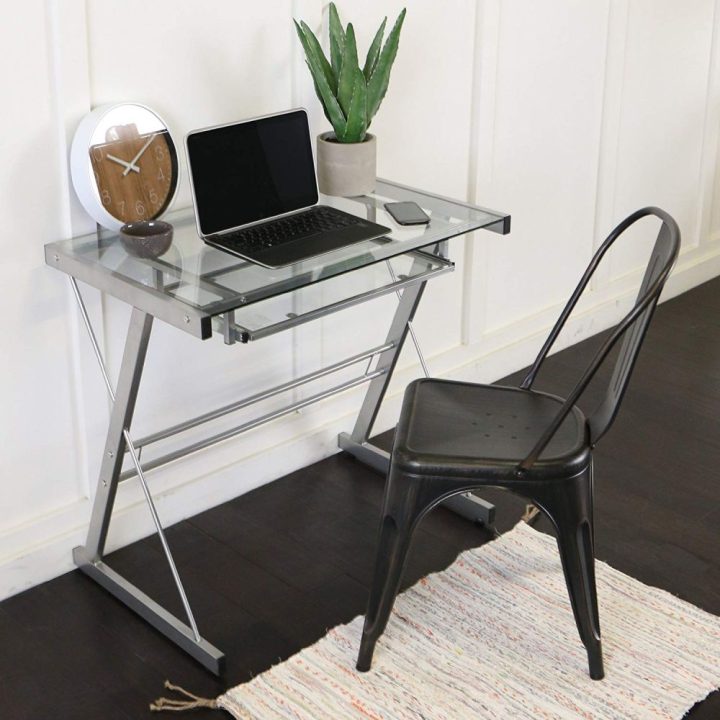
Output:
(567, 114)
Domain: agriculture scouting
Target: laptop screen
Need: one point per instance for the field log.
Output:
(251, 170)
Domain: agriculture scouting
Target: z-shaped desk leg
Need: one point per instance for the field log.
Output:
(357, 443)
(89, 557)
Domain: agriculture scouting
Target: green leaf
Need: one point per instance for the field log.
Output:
(346, 79)
(310, 57)
(337, 40)
(374, 51)
(315, 55)
(333, 111)
(317, 73)
(336, 54)
(320, 98)
(357, 114)
(380, 77)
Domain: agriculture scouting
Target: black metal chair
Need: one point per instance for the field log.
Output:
(453, 437)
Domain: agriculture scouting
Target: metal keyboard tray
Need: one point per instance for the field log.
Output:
(267, 317)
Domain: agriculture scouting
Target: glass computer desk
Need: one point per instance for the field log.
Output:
(201, 291)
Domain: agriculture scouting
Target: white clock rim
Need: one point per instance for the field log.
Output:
(83, 178)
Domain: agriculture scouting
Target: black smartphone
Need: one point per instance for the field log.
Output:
(407, 213)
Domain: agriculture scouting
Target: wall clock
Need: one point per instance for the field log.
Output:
(123, 164)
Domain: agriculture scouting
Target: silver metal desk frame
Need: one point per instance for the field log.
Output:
(89, 558)
(381, 362)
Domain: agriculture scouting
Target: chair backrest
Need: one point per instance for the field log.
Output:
(631, 329)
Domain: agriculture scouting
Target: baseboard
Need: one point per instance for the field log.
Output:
(40, 549)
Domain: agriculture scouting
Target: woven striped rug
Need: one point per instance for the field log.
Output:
(493, 636)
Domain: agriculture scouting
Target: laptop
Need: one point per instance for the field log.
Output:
(255, 192)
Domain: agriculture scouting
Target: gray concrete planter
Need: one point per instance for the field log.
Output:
(346, 169)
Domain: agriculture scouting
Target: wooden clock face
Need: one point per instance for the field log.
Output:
(135, 172)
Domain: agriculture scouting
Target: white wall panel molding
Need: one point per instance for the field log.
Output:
(70, 90)
(663, 136)
(36, 420)
(709, 206)
(609, 145)
(548, 98)
(480, 176)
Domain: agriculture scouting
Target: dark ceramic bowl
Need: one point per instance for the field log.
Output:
(146, 238)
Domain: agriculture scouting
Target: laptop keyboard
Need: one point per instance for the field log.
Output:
(301, 225)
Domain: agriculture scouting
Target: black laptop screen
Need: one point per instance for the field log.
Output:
(251, 170)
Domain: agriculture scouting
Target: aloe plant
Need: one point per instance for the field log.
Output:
(350, 96)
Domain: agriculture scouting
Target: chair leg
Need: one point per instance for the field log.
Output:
(570, 508)
(398, 518)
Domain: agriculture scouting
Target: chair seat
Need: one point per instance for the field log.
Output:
(458, 429)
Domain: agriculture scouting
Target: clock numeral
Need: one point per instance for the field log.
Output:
(106, 199)
(97, 154)
(121, 205)
(140, 208)
(154, 199)
(159, 152)
(161, 175)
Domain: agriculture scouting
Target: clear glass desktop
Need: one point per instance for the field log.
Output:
(192, 279)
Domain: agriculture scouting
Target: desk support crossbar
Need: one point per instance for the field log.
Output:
(232, 432)
(89, 557)
(409, 301)
(252, 399)
(411, 329)
(152, 612)
(357, 444)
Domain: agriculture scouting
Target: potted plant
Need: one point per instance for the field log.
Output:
(350, 97)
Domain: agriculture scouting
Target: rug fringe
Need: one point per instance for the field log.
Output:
(181, 705)
(531, 514)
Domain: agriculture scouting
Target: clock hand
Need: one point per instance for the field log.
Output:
(142, 150)
(128, 166)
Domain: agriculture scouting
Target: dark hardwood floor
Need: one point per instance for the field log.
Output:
(269, 572)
